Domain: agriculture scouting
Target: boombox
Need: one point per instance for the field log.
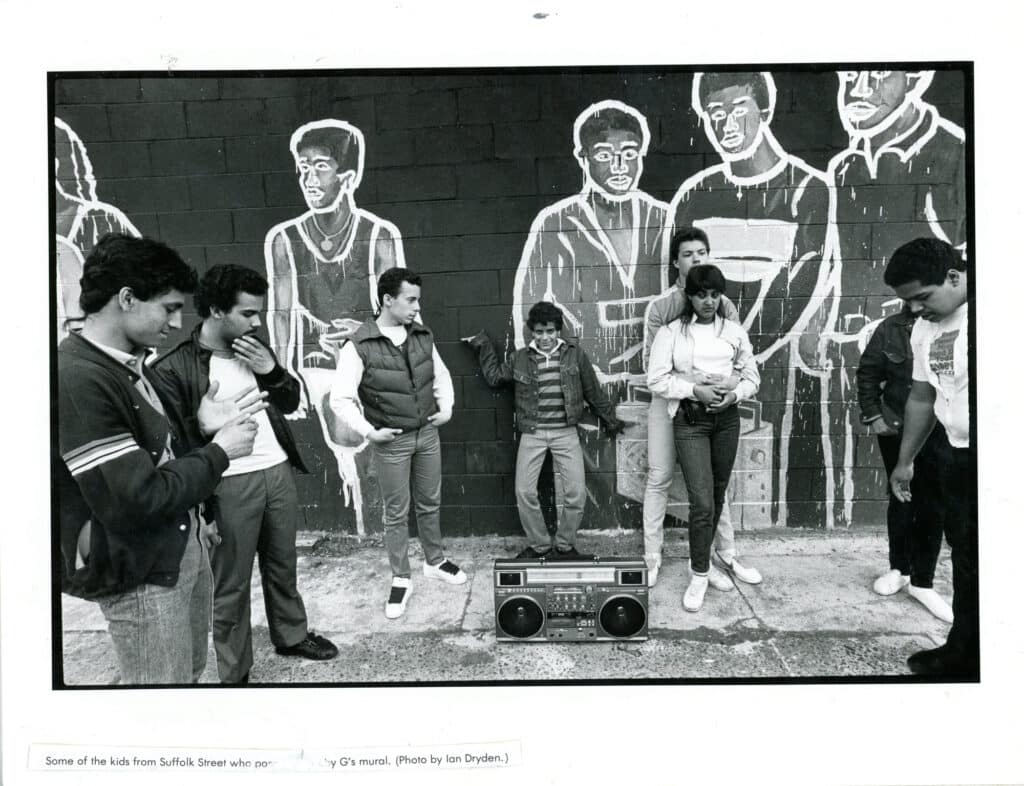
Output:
(603, 599)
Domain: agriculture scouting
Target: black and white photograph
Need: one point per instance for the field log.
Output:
(400, 416)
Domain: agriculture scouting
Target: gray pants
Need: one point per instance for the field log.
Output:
(570, 485)
(160, 633)
(412, 461)
(256, 515)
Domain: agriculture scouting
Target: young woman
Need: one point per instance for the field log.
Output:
(687, 358)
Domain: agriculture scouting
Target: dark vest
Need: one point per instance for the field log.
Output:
(397, 387)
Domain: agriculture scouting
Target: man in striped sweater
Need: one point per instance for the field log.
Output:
(553, 379)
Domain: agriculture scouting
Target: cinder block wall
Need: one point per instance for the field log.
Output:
(462, 163)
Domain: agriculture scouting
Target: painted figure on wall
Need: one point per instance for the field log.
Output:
(598, 256)
(323, 267)
(902, 177)
(82, 219)
(766, 214)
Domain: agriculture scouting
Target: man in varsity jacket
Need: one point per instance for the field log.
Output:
(129, 538)
(553, 380)
(255, 507)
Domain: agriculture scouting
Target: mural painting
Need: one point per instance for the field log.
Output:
(599, 256)
(902, 176)
(323, 269)
(82, 219)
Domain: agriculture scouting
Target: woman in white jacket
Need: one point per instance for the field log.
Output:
(705, 421)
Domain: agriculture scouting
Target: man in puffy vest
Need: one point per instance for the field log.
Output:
(392, 388)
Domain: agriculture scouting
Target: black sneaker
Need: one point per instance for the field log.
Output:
(313, 647)
(570, 554)
(531, 553)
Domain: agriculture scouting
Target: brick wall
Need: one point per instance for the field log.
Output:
(462, 164)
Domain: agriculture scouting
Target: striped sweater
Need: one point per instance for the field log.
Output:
(550, 399)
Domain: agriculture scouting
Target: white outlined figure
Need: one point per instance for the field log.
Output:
(902, 177)
(323, 268)
(82, 219)
(598, 256)
(766, 214)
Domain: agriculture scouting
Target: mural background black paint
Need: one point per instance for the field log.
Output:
(461, 163)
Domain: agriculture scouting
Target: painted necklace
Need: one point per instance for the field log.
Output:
(328, 240)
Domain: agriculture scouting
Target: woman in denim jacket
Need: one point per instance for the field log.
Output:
(705, 421)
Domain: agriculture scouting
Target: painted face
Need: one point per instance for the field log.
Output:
(148, 323)
(733, 120)
(405, 305)
(614, 163)
(321, 182)
(934, 302)
(866, 98)
(691, 252)
(546, 335)
(243, 319)
(705, 304)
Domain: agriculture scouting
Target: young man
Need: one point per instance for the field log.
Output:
(129, 538)
(255, 506)
(930, 276)
(553, 380)
(914, 528)
(393, 389)
(689, 247)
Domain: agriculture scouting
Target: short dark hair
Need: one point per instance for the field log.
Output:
(343, 145)
(543, 312)
(924, 259)
(596, 127)
(148, 267)
(221, 285)
(685, 235)
(390, 282)
(704, 277)
(713, 82)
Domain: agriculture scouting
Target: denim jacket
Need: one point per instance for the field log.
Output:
(670, 368)
(885, 373)
(579, 383)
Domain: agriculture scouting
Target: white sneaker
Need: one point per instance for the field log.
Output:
(719, 580)
(446, 571)
(401, 589)
(932, 601)
(653, 566)
(891, 582)
(693, 598)
(744, 574)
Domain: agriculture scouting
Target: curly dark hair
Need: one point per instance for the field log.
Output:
(543, 312)
(221, 285)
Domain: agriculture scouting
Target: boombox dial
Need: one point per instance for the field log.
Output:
(595, 600)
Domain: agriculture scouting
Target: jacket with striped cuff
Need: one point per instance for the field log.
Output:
(110, 441)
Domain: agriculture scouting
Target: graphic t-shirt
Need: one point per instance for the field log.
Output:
(940, 359)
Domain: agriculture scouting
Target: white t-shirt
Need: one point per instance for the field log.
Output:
(711, 353)
(940, 359)
(234, 377)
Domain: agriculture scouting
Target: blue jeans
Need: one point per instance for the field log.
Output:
(160, 633)
(411, 459)
(706, 450)
(570, 485)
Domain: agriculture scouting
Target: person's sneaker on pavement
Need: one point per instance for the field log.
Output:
(719, 580)
(693, 598)
(313, 647)
(741, 572)
(932, 601)
(401, 589)
(653, 566)
(890, 582)
(531, 553)
(570, 554)
(446, 571)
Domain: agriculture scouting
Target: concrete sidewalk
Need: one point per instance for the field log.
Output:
(814, 615)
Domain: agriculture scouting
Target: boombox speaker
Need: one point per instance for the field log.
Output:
(603, 599)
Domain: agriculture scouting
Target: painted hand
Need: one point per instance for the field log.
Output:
(254, 355)
(213, 414)
(899, 481)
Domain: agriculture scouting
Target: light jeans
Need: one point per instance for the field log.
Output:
(570, 485)
(160, 634)
(661, 464)
(412, 459)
